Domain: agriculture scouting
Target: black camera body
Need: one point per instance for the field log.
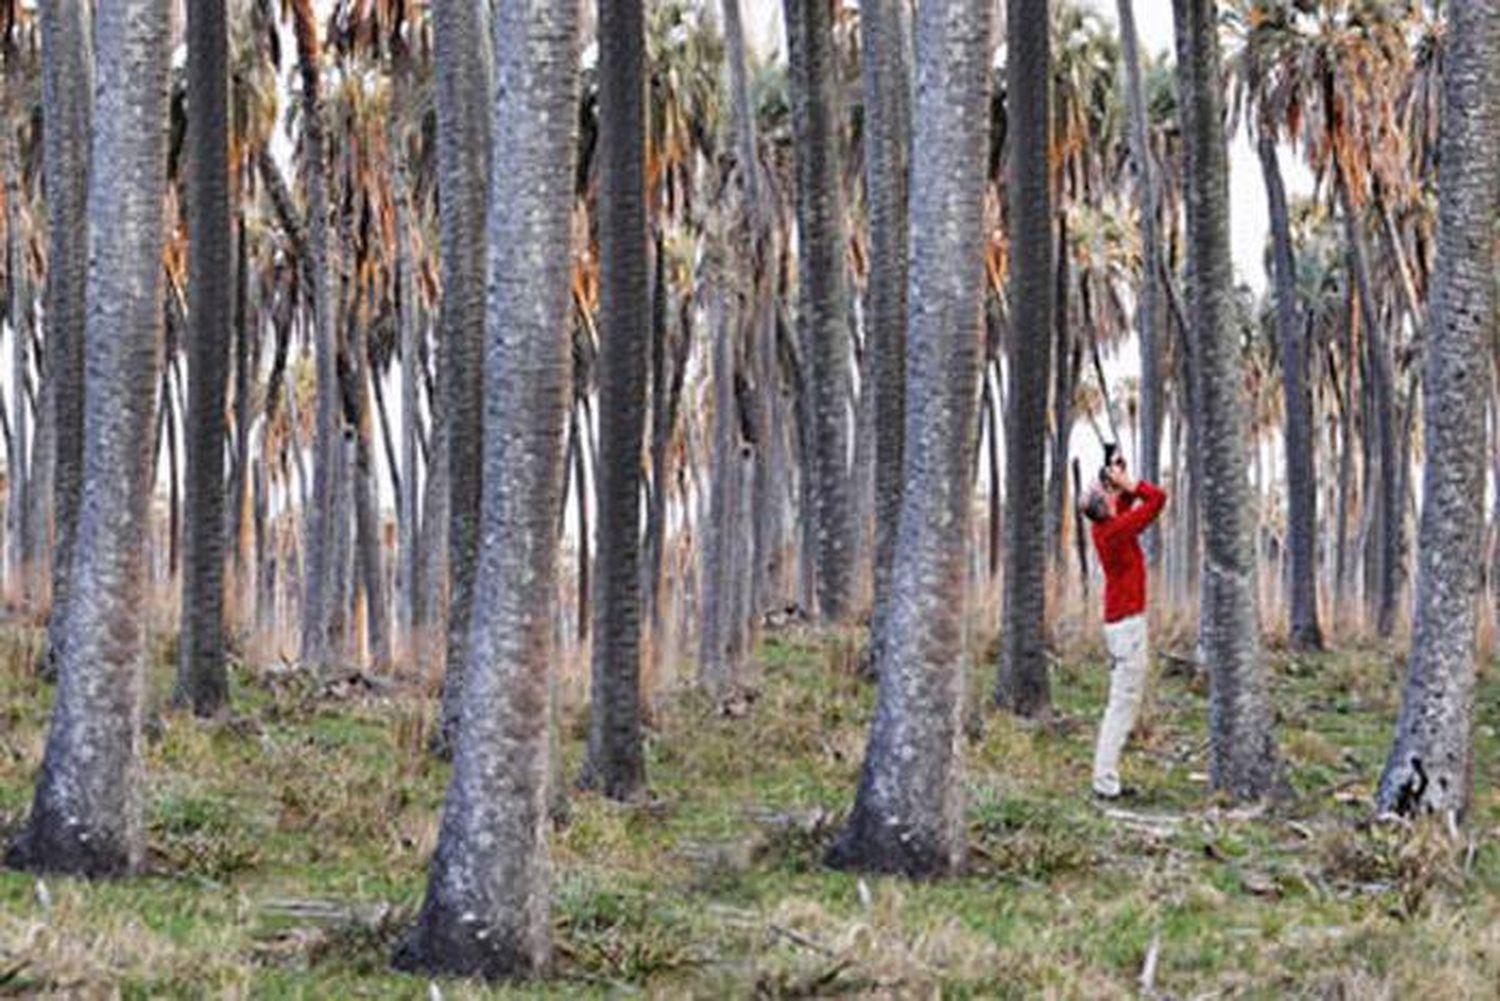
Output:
(1111, 449)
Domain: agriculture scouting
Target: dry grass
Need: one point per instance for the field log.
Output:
(289, 843)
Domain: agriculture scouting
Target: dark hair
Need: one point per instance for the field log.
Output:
(1096, 506)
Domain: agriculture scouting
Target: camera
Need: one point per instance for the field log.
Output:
(1111, 454)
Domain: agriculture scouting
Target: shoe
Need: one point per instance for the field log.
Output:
(1125, 794)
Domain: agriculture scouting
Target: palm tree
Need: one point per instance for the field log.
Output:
(1430, 769)
(320, 638)
(201, 678)
(463, 59)
(616, 763)
(908, 814)
(1266, 23)
(1243, 757)
(1149, 315)
(1022, 682)
(887, 130)
(487, 905)
(823, 300)
(87, 817)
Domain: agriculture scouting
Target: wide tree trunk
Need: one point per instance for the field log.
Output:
(202, 680)
(463, 57)
(1022, 684)
(87, 817)
(1302, 498)
(823, 298)
(1149, 317)
(487, 909)
(1430, 769)
(67, 96)
(908, 814)
(319, 612)
(1243, 760)
(616, 761)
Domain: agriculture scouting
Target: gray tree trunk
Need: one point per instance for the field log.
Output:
(1383, 389)
(1022, 681)
(1243, 760)
(823, 297)
(616, 759)
(1302, 499)
(464, 88)
(1430, 769)
(87, 817)
(202, 680)
(20, 556)
(319, 609)
(406, 587)
(1148, 306)
(908, 814)
(487, 909)
(67, 95)
(887, 131)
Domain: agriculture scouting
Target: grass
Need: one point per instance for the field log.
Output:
(288, 847)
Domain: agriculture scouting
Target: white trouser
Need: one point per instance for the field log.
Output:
(1126, 642)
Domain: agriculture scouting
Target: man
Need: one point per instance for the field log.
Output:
(1121, 508)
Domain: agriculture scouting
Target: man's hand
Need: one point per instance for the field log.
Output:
(1121, 480)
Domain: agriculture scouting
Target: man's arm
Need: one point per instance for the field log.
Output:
(1134, 521)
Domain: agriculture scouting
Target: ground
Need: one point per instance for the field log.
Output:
(288, 847)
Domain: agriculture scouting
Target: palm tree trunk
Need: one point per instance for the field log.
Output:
(616, 760)
(823, 297)
(908, 814)
(1148, 307)
(887, 129)
(68, 96)
(1302, 500)
(487, 909)
(246, 359)
(1022, 683)
(461, 28)
(88, 817)
(1382, 384)
(1243, 760)
(18, 307)
(410, 495)
(1430, 769)
(318, 609)
(202, 680)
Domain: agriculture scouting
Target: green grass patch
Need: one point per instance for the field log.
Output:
(289, 845)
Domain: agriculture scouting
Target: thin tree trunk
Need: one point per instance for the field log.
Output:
(68, 96)
(1302, 500)
(1148, 307)
(908, 814)
(823, 297)
(1382, 384)
(410, 513)
(1023, 684)
(616, 758)
(88, 814)
(318, 610)
(202, 679)
(1430, 769)
(17, 308)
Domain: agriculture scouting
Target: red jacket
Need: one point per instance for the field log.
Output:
(1117, 542)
